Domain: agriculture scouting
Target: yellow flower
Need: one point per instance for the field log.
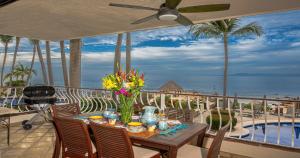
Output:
(129, 85)
(118, 78)
(141, 83)
(108, 84)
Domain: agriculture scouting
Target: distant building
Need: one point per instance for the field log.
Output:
(171, 86)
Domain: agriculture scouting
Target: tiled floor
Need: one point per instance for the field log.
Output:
(35, 143)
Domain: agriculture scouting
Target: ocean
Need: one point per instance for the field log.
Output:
(190, 77)
(255, 86)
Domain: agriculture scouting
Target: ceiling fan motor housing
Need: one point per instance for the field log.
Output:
(167, 14)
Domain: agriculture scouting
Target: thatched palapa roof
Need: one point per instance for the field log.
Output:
(171, 86)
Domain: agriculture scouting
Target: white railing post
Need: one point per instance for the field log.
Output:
(293, 125)
(148, 100)
(189, 102)
(162, 102)
(278, 125)
(253, 122)
(141, 98)
(266, 121)
(230, 117)
(210, 115)
(219, 112)
(172, 103)
(241, 118)
(179, 100)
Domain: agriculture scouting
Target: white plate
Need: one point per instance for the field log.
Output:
(139, 131)
(174, 122)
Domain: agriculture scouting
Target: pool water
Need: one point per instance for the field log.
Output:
(271, 131)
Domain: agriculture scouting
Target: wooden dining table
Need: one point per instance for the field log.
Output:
(171, 143)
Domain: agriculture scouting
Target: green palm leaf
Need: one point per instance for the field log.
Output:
(249, 29)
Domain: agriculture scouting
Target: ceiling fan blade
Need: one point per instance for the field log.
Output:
(6, 2)
(132, 6)
(172, 4)
(154, 16)
(204, 8)
(184, 20)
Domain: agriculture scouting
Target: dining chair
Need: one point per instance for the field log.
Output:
(112, 142)
(75, 138)
(65, 110)
(57, 146)
(197, 152)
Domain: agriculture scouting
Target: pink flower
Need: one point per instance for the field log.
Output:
(123, 91)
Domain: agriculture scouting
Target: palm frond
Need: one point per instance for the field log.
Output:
(232, 24)
(249, 29)
(205, 30)
(7, 76)
(6, 38)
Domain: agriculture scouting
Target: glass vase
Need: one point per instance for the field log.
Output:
(126, 109)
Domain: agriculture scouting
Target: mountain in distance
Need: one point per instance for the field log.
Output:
(266, 74)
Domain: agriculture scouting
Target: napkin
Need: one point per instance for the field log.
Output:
(174, 129)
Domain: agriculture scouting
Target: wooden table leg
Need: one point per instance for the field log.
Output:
(57, 147)
(172, 152)
(8, 131)
(200, 139)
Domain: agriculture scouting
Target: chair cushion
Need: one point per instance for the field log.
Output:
(94, 148)
(140, 152)
(191, 151)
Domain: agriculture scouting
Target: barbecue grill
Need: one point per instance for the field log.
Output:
(38, 98)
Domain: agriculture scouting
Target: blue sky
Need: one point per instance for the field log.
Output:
(172, 54)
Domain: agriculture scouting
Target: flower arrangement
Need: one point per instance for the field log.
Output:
(127, 87)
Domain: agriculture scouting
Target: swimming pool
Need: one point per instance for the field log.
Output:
(271, 131)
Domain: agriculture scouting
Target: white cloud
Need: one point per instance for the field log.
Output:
(249, 44)
(295, 44)
(102, 57)
(171, 33)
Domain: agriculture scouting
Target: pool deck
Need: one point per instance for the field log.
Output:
(240, 131)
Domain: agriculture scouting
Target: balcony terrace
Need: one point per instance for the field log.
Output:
(259, 127)
(276, 131)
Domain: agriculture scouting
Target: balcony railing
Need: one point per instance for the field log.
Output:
(264, 120)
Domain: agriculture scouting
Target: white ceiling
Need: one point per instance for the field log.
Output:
(69, 19)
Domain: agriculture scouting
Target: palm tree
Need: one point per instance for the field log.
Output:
(49, 64)
(117, 59)
(18, 74)
(128, 52)
(5, 40)
(15, 54)
(224, 29)
(64, 63)
(32, 60)
(24, 71)
(39, 52)
(75, 63)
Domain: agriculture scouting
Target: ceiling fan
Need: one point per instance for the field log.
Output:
(168, 11)
(6, 2)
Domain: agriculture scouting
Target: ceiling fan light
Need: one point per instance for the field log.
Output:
(167, 17)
